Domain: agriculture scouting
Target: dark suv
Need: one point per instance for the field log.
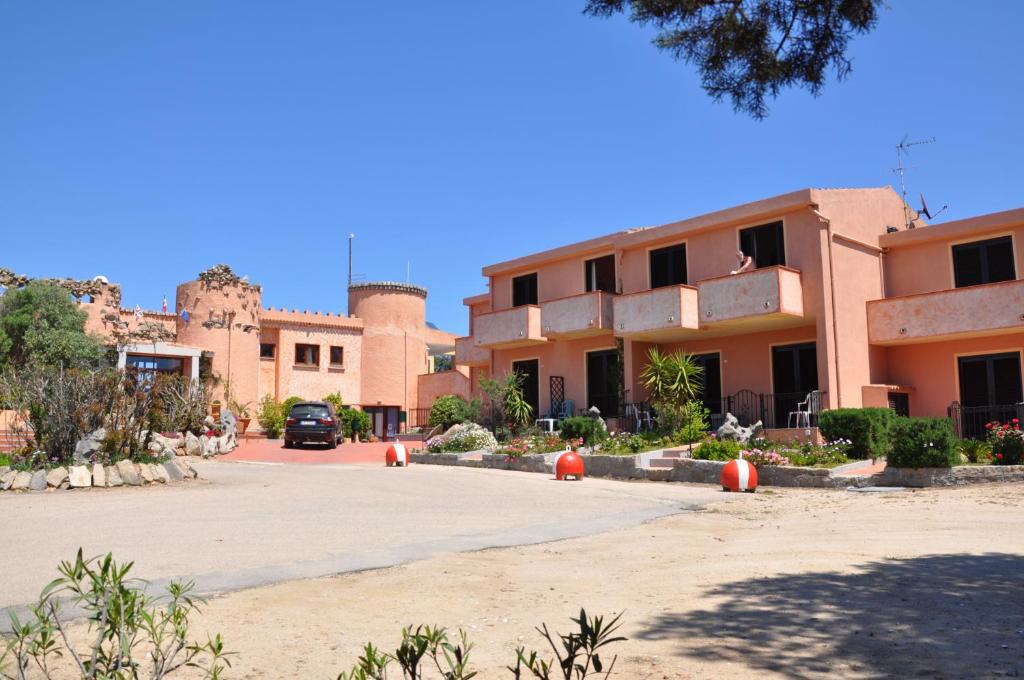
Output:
(313, 421)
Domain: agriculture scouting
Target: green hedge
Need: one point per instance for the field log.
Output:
(869, 430)
(923, 442)
(718, 449)
(590, 429)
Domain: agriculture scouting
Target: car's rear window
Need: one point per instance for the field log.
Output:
(309, 411)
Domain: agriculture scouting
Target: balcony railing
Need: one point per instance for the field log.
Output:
(961, 312)
(468, 354)
(661, 314)
(508, 328)
(969, 421)
(577, 316)
(769, 294)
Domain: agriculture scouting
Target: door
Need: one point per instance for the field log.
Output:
(530, 370)
(794, 374)
(711, 376)
(383, 421)
(990, 389)
(603, 382)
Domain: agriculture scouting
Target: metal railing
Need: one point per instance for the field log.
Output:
(418, 417)
(969, 421)
(772, 409)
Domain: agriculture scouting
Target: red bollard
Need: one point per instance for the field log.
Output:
(739, 475)
(397, 455)
(569, 464)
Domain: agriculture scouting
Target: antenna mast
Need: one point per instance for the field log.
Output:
(350, 237)
(904, 148)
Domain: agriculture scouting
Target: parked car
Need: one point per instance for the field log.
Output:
(312, 422)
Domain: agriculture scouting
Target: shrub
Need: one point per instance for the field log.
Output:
(350, 416)
(1007, 442)
(335, 400)
(463, 437)
(270, 417)
(448, 410)
(718, 449)
(286, 405)
(693, 422)
(590, 430)
(868, 429)
(975, 451)
(923, 442)
(829, 455)
(759, 458)
(130, 630)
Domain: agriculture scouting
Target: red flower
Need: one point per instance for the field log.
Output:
(999, 456)
(988, 426)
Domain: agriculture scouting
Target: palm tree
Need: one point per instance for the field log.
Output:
(672, 379)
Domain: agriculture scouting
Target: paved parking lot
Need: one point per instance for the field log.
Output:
(246, 524)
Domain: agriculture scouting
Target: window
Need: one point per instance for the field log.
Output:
(307, 355)
(990, 380)
(983, 262)
(764, 244)
(267, 350)
(603, 382)
(599, 274)
(668, 266)
(337, 356)
(524, 290)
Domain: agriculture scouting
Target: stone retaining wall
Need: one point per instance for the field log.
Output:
(709, 471)
(123, 473)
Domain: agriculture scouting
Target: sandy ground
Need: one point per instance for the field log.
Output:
(784, 583)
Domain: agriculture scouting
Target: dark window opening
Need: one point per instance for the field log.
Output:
(267, 350)
(668, 266)
(990, 380)
(603, 382)
(307, 355)
(765, 244)
(337, 356)
(524, 290)
(599, 274)
(711, 381)
(981, 262)
(794, 374)
(900, 403)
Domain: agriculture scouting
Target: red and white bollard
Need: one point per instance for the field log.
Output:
(569, 464)
(397, 455)
(739, 475)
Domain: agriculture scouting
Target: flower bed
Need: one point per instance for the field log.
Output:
(1007, 442)
(763, 453)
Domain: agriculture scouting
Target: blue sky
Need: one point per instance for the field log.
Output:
(147, 142)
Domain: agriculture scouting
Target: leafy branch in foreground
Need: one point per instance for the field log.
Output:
(131, 633)
(578, 654)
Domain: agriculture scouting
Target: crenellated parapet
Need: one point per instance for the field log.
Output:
(282, 316)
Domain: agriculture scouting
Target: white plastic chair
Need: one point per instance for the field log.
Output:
(802, 414)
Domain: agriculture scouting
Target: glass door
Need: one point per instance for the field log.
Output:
(794, 375)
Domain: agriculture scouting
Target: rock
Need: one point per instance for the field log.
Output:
(113, 476)
(209, 446)
(193, 447)
(146, 473)
(225, 443)
(129, 473)
(56, 476)
(89, 445)
(99, 476)
(732, 430)
(4, 469)
(7, 480)
(79, 477)
(187, 469)
(22, 481)
(38, 481)
(159, 473)
(173, 471)
(209, 423)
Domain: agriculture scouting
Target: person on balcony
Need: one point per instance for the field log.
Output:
(746, 263)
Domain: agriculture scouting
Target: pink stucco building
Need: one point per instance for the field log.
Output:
(381, 356)
(841, 299)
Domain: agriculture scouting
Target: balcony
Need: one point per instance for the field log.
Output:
(468, 354)
(578, 316)
(658, 315)
(509, 328)
(989, 309)
(760, 299)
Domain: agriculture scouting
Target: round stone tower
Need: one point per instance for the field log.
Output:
(220, 313)
(394, 349)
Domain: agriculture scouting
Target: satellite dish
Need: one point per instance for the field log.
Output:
(927, 213)
(101, 279)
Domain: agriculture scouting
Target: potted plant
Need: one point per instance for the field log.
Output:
(242, 415)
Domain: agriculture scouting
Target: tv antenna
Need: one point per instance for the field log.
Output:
(903, 149)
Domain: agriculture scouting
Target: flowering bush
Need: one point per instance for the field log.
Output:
(831, 454)
(464, 437)
(758, 458)
(1007, 442)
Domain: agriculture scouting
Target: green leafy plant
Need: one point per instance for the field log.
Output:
(694, 423)
(40, 324)
(133, 635)
(507, 400)
(975, 451)
(671, 380)
(353, 420)
(868, 429)
(1006, 441)
(577, 654)
(923, 442)
(590, 430)
(448, 410)
(270, 417)
(286, 405)
(335, 400)
(717, 449)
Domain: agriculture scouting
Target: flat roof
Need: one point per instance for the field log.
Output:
(955, 229)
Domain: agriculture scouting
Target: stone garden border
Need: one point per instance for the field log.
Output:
(708, 471)
(122, 473)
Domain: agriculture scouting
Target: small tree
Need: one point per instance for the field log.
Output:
(508, 402)
(41, 324)
(672, 380)
(448, 410)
